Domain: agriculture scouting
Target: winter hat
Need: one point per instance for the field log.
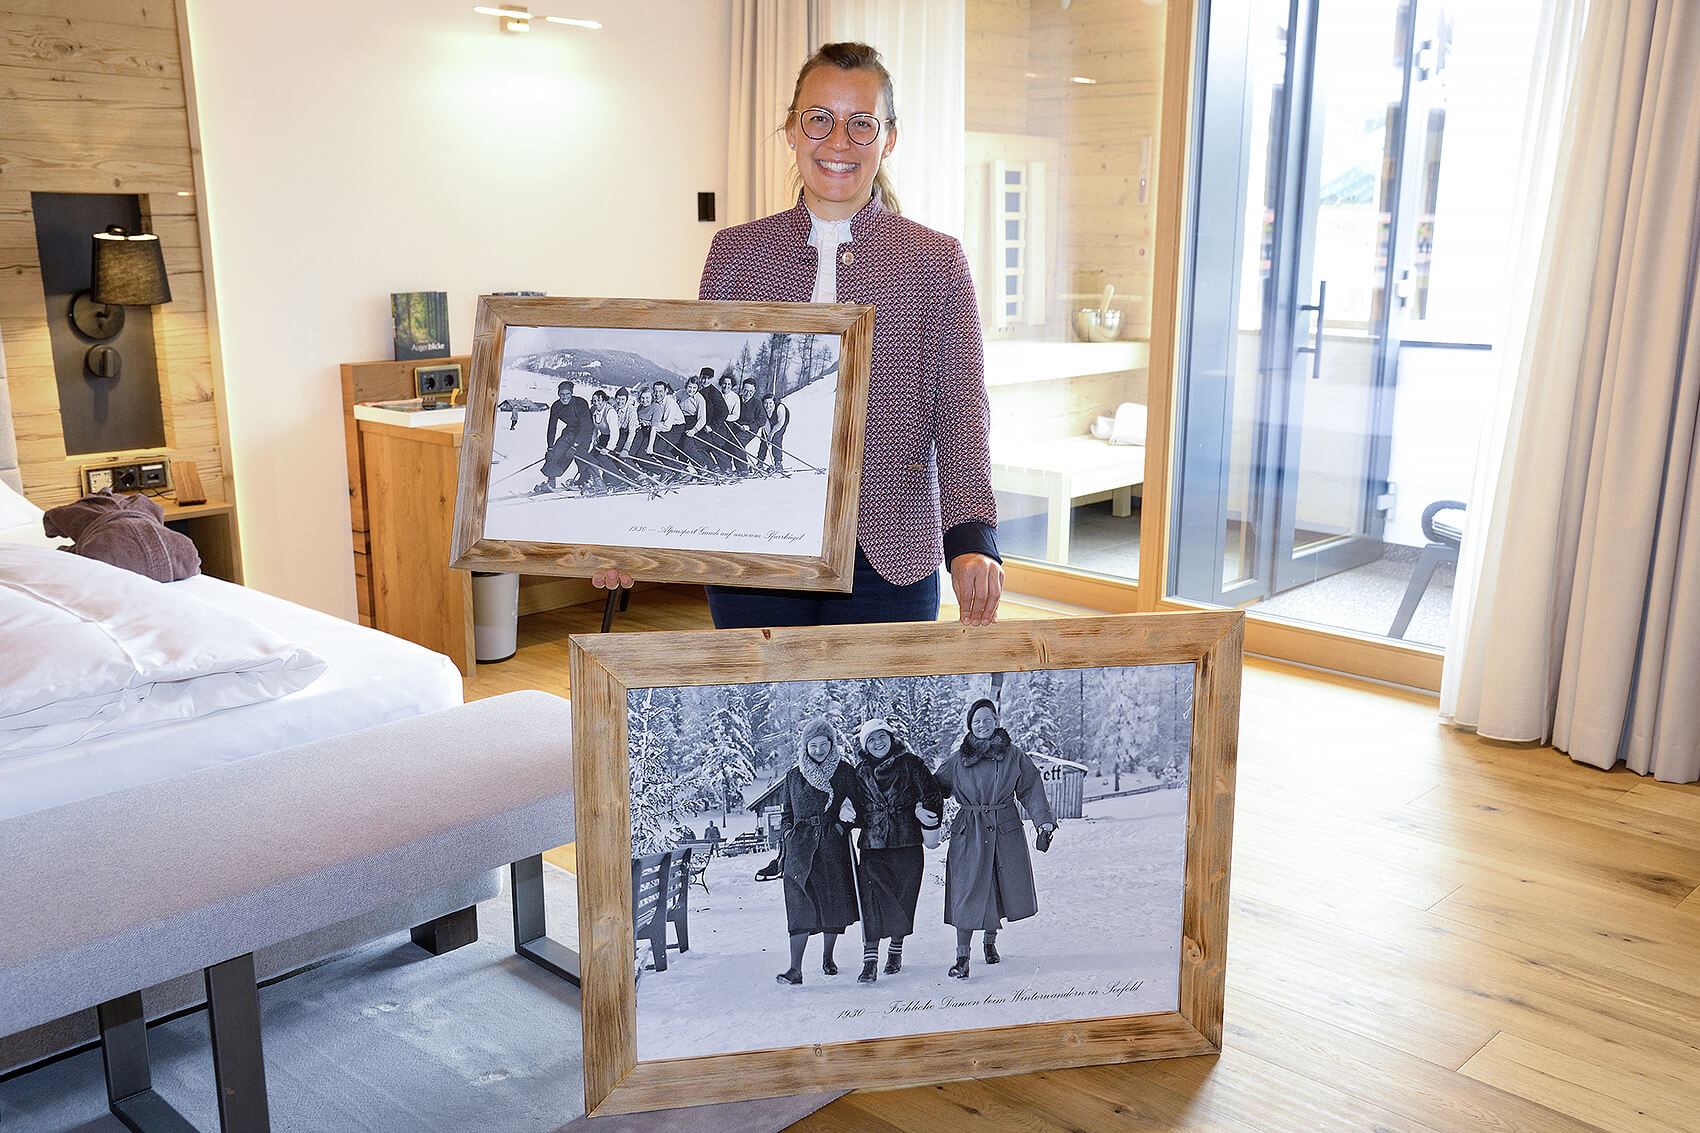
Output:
(817, 727)
(976, 706)
(869, 727)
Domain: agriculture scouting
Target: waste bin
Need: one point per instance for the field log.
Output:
(495, 615)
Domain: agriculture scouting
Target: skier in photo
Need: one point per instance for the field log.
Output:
(988, 875)
(729, 428)
(749, 422)
(666, 434)
(777, 418)
(898, 804)
(572, 417)
(820, 887)
(699, 458)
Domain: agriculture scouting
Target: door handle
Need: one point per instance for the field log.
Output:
(1315, 347)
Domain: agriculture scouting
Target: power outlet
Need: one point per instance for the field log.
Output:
(437, 381)
(147, 475)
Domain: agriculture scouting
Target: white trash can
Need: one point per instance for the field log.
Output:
(495, 615)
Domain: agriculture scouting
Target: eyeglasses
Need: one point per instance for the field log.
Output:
(817, 124)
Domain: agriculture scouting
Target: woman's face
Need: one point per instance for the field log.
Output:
(646, 397)
(819, 748)
(984, 723)
(838, 174)
(878, 744)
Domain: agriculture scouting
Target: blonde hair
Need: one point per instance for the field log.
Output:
(852, 57)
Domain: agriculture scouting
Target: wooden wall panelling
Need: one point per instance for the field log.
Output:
(98, 100)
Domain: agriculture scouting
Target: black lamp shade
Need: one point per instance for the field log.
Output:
(129, 271)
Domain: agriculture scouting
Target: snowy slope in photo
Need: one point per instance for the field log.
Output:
(768, 514)
(1106, 941)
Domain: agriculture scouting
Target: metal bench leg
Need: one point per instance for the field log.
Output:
(531, 934)
(239, 1069)
(239, 1065)
(129, 1079)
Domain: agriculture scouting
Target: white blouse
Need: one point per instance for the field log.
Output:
(825, 236)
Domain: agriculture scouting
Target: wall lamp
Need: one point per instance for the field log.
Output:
(129, 271)
(513, 18)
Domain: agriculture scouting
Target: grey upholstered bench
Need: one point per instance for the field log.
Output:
(113, 894)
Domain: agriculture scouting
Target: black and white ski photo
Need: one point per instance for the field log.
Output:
(888, 856)
(687, 440)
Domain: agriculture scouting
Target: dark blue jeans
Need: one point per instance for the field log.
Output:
(871, 599)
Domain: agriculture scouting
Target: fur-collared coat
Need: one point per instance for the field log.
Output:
(988, 872)
(926, 472)
(820, 886)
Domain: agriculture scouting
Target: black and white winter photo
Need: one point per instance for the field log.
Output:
(690, 440)
(894, 856)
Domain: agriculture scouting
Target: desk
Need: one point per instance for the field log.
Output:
(1063, 471)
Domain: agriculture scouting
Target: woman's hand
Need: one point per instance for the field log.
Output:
(847, 811)
(978, 582)
(924, 816)
(1042, 843)
(611, 580)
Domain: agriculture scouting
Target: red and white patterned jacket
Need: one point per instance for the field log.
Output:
(926, 475)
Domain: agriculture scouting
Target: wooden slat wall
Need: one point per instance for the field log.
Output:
(95, 102)
(1107, 234)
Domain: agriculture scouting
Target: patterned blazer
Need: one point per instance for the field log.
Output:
(926, 475)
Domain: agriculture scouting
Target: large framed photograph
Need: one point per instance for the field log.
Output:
(679, 441)
(894, 854)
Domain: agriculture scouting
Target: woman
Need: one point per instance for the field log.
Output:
(898, 800)
(988, 876)
(820, 889)
(926, 493)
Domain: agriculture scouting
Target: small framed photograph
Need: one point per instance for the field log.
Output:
(680, 441)
(887, 855)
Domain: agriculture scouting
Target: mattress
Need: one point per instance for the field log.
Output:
(372, 678)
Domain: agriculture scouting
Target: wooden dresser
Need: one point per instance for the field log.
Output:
(401, 503)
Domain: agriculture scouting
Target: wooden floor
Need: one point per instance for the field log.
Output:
(1429, 932)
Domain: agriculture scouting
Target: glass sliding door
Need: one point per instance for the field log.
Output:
(1318, 149)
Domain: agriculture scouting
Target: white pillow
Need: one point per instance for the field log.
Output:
(31, 535)
(15, 510)
(91, 649)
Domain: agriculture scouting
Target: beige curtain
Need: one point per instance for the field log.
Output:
(1583, 623)
(770, 40)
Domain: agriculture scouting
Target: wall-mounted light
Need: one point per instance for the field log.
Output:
(129, 271)
(514, 18)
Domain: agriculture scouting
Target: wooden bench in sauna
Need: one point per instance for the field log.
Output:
(1065, 471)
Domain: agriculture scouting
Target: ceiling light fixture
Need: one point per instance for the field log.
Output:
(514, 18)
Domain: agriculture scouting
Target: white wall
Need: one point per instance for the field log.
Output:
(352, 150)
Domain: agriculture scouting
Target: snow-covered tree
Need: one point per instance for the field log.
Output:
(728, 759)
(657, 802)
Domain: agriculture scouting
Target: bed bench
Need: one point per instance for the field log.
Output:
(112, 894)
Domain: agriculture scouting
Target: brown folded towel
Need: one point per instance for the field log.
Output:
(126, 531)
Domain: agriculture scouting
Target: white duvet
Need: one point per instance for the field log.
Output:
(88, 649)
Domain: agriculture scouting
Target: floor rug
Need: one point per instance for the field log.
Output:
(387, 1037)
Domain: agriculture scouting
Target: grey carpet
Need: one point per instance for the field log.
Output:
(387, 1037)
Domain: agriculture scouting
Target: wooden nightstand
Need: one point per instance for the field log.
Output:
(212, 528)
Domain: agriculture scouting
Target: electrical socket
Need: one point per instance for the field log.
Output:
(128, 477)
(436, 381)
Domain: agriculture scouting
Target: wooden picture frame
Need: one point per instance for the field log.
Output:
(613, 675)
(674, 506)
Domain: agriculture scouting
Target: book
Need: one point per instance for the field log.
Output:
(411, 412)
(421, 321)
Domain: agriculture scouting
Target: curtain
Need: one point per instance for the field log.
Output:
(923, 45)
(1580, 619)
(770, 41)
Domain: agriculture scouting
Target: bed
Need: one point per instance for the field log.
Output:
(349, 678)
